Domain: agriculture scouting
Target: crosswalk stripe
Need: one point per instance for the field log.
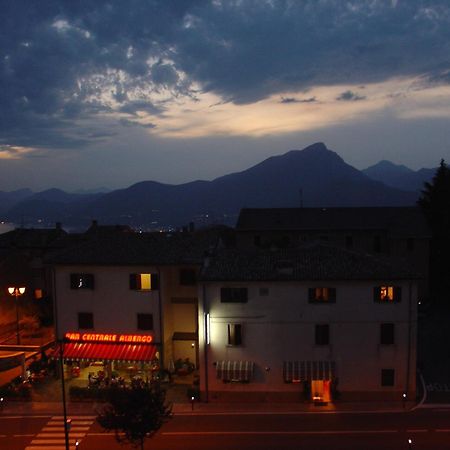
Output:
(52, 434)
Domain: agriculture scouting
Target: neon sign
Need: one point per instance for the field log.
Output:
(110, 337)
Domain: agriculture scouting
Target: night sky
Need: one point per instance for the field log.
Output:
(108, 93)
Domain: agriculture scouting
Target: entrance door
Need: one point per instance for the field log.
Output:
(321, 390)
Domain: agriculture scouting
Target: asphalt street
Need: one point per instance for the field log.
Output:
(428, 429)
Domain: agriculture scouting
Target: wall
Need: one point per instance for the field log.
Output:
(281, 327)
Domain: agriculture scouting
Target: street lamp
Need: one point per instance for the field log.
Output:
(17, 292)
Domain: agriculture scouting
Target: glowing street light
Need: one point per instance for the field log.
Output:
(17, 292)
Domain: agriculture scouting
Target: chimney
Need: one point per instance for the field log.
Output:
(191, 227)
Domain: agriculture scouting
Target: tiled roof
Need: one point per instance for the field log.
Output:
(137, 249)
(311, 262)
(31, 238)
(404, 221)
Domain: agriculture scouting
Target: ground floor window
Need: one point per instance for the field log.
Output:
(387, 377)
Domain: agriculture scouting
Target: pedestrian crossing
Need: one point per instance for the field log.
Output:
(52, 436)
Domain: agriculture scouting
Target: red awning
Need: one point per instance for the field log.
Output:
(110, 352)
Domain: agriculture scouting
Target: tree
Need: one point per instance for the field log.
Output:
(134, 413)
(435, 204)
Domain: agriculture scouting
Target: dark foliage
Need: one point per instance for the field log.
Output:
(435, 203)
(134, 413)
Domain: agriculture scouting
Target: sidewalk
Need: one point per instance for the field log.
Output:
(13, 408)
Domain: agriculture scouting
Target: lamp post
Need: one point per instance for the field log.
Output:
(17, 292)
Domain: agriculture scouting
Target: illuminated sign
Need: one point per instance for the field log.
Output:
(107, 337)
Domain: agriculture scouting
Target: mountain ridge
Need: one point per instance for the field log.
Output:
(312, 177)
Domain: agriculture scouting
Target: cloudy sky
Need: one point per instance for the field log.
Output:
(108, 93)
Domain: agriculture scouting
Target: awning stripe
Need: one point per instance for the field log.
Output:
(234, 370)
(308, 370)
(107, 352)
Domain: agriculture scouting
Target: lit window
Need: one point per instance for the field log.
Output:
(322, 295)
(233, 295)
(144, 281)
(387, 294)
(38, 294)
(81, 281)
(234, 334)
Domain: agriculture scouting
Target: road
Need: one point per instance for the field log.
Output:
(429, 429)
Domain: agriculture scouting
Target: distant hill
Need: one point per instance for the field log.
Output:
(399, 176)
(312, 177)
(9, 199)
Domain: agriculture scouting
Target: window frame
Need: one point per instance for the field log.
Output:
(233, 295)
(134, 281)
(144, 316)
(387, 377)
(321, 299)
(234, 334)
(322, 337)
(87, 281)
(387, 334)
(396, 294)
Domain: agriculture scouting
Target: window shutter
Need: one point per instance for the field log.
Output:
(376, 294)
(155, 281)
(243, 297)
(73, 281)
(332, 294)
(397, 294)
(90, 281)
(133, 281)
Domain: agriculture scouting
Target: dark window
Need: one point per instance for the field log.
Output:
(188, 277)
(387, 294)
(233, 295)
(263, 291)
(257, 240)
(85, 321)
(387, 334)
(324, 238)
(144, 281)
(234, 334)
(145, 321)
(322, 295)
(81, 281)
(322, 334)
(349, 241)
(387, 377)
(377, 244)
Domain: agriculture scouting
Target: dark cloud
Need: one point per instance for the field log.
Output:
(350, 96)
(58, 58)
(132, 123)
(297, 100)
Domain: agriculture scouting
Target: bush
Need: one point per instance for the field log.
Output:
(88, 393)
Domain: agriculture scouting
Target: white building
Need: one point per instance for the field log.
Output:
(317, 323)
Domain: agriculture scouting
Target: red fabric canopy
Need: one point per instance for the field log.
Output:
(112, 352)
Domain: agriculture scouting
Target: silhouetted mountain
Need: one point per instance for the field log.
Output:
(9, 199)
(399, 176)
(49, 206)
(311, 177)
